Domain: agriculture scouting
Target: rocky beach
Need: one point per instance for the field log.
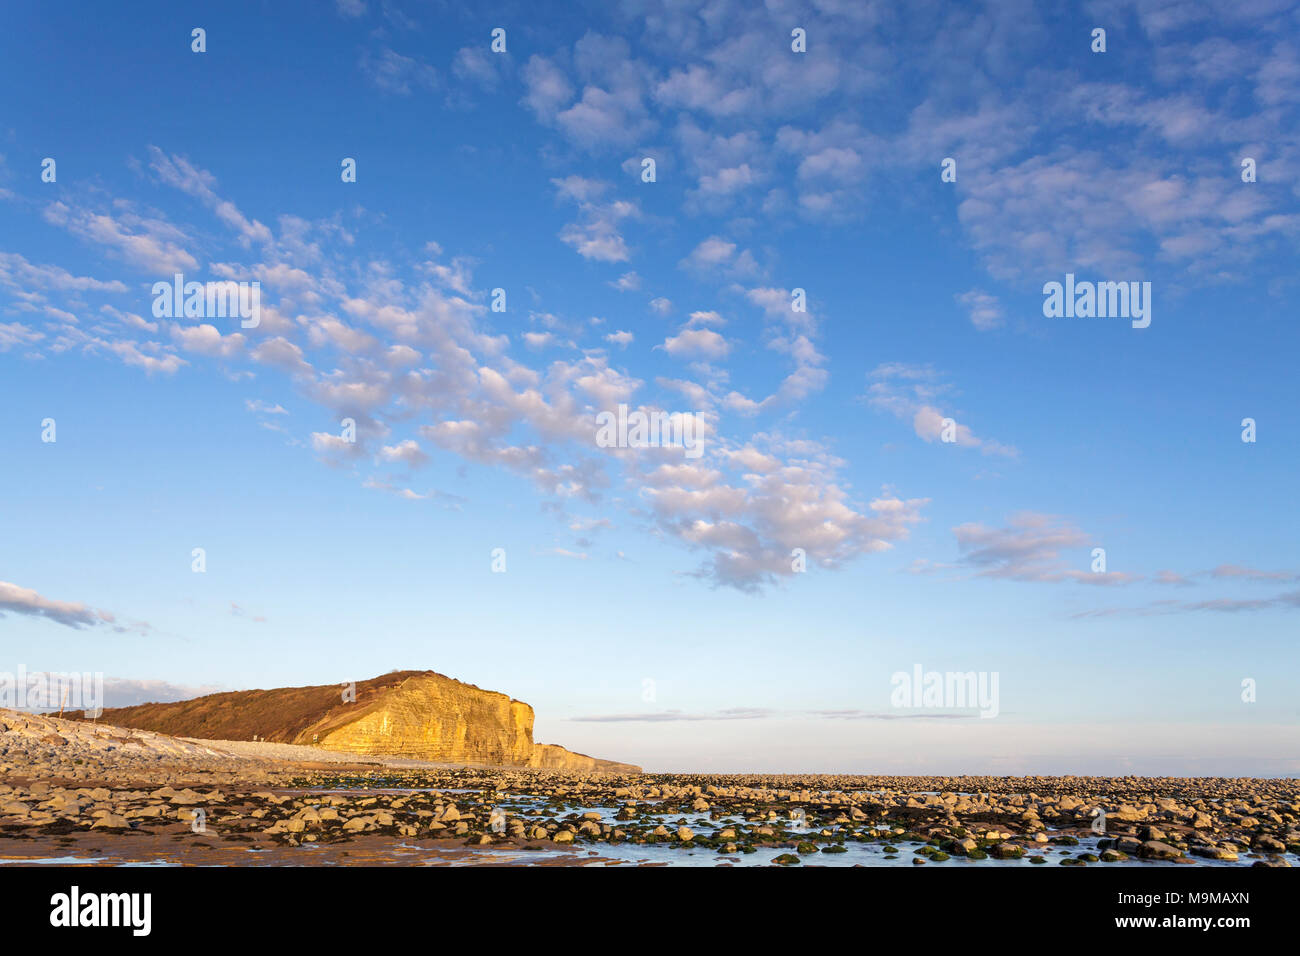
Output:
(75, 791)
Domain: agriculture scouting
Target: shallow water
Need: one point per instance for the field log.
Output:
(82, 861)
(856, 853)
(535, 808)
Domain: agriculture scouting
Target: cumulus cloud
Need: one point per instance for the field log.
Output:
(406, 452)
(145, 242)
(21, 276)
(179, 172)
(415, 362)
(392, 72)
(264, 408)
(911, 393)
(611, 109)
(476, 65)
(1028, 548)
(335, 449)
(16, 334)
(149, 356)
(596, 234)
(985, 310)
(697, 343)
(716, 255)
(548, 87)
(15, 599)
(207, 340)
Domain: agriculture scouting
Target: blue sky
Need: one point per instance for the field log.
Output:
(649, 610)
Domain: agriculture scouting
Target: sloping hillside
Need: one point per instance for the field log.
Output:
(419, 714)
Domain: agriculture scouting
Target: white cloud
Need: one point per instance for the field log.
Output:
(476, 65)
(718, 255)
(415, 358)
(207, 340)
(154, 360)
(548, 88)
(15, 599)
(392, 72)
(596, 234)
(697, 343)
(985, 310)
(15, 334)
(264, 408)
(406, 452)
(144, 242)
(911, 393)
(1029, 548)
(19, 275)
(180, 173)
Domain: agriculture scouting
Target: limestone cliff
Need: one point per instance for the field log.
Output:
(417, 714)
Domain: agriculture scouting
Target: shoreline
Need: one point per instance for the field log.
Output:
(104, 794)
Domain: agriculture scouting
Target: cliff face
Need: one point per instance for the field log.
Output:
(433, 718)
(417, 714)
(552, 757)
